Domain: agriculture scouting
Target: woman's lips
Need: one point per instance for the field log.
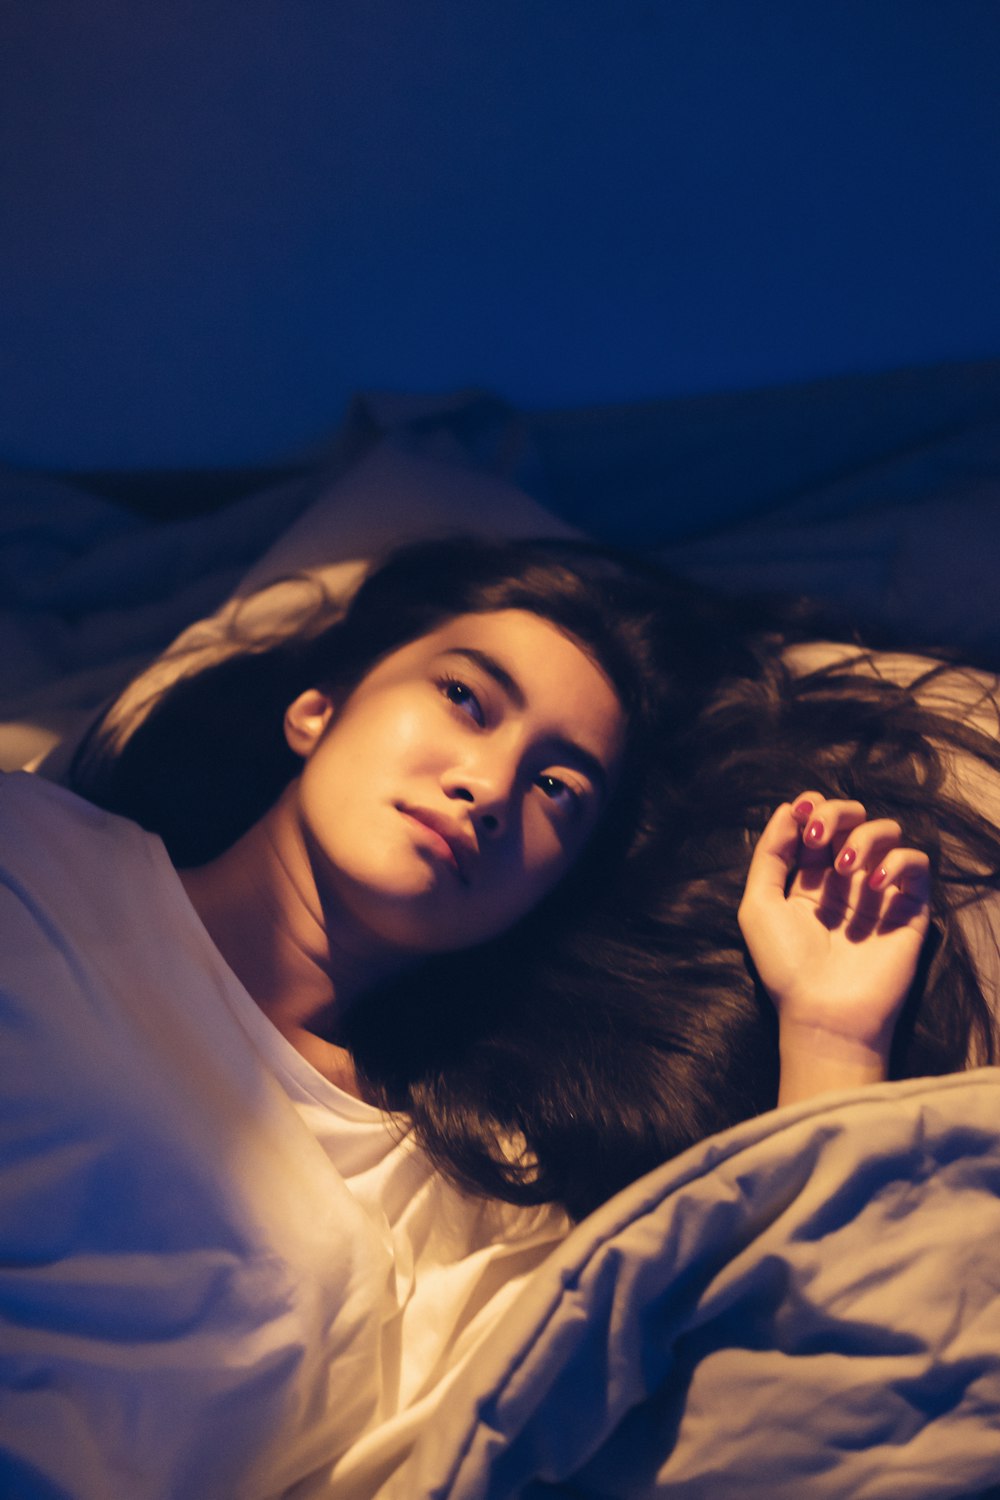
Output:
(443, 837)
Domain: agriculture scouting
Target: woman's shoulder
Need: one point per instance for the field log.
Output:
(30, 792)
(44, 824)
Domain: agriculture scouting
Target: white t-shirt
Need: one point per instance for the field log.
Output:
(220, 1276)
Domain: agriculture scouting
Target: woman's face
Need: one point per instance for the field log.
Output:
(457, 783)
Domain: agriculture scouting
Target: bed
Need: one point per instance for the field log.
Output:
(808, 1304)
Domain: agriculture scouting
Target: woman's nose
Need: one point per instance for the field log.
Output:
(489, 790)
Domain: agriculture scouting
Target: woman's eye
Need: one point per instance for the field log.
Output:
(463, 698)
(560, 792)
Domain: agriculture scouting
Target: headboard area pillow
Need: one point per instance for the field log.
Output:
(390, 496)
(880, 494)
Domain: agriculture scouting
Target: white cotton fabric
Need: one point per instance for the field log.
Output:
(220, 1276)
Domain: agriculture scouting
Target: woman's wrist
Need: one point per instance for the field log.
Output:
(815, 1061)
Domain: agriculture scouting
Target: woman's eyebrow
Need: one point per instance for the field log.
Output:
(569, 750)
(575, 755)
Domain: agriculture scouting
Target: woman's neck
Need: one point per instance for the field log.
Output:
(260, 905)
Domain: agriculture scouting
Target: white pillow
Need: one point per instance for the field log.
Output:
(389, 497)
(392, 497)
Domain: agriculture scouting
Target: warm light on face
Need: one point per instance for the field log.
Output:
(460, 781)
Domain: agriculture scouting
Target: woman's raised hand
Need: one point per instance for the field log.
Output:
(834, 913)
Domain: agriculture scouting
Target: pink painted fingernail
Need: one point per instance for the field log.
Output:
(879, 878)
(814, 832)
(846, 858)
(802, 809)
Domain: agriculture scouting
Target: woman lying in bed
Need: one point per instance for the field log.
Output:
(286, 1131)
(220, 1263)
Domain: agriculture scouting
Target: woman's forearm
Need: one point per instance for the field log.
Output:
(814, 1061)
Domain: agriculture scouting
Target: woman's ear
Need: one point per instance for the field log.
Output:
(306, 719)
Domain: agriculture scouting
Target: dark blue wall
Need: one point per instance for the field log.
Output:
(222, 218)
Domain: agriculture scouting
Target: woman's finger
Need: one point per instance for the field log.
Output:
(831, 820)
(866, 846)
(902, 885)
(804, 806)
(908, 870)
(774, 857)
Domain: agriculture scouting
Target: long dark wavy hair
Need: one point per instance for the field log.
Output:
(658, 990)
(619, 1022)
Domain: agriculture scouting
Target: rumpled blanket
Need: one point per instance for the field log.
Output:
(806, 1305)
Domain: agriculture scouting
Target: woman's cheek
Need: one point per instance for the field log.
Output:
(417, 738)
(550, 848)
